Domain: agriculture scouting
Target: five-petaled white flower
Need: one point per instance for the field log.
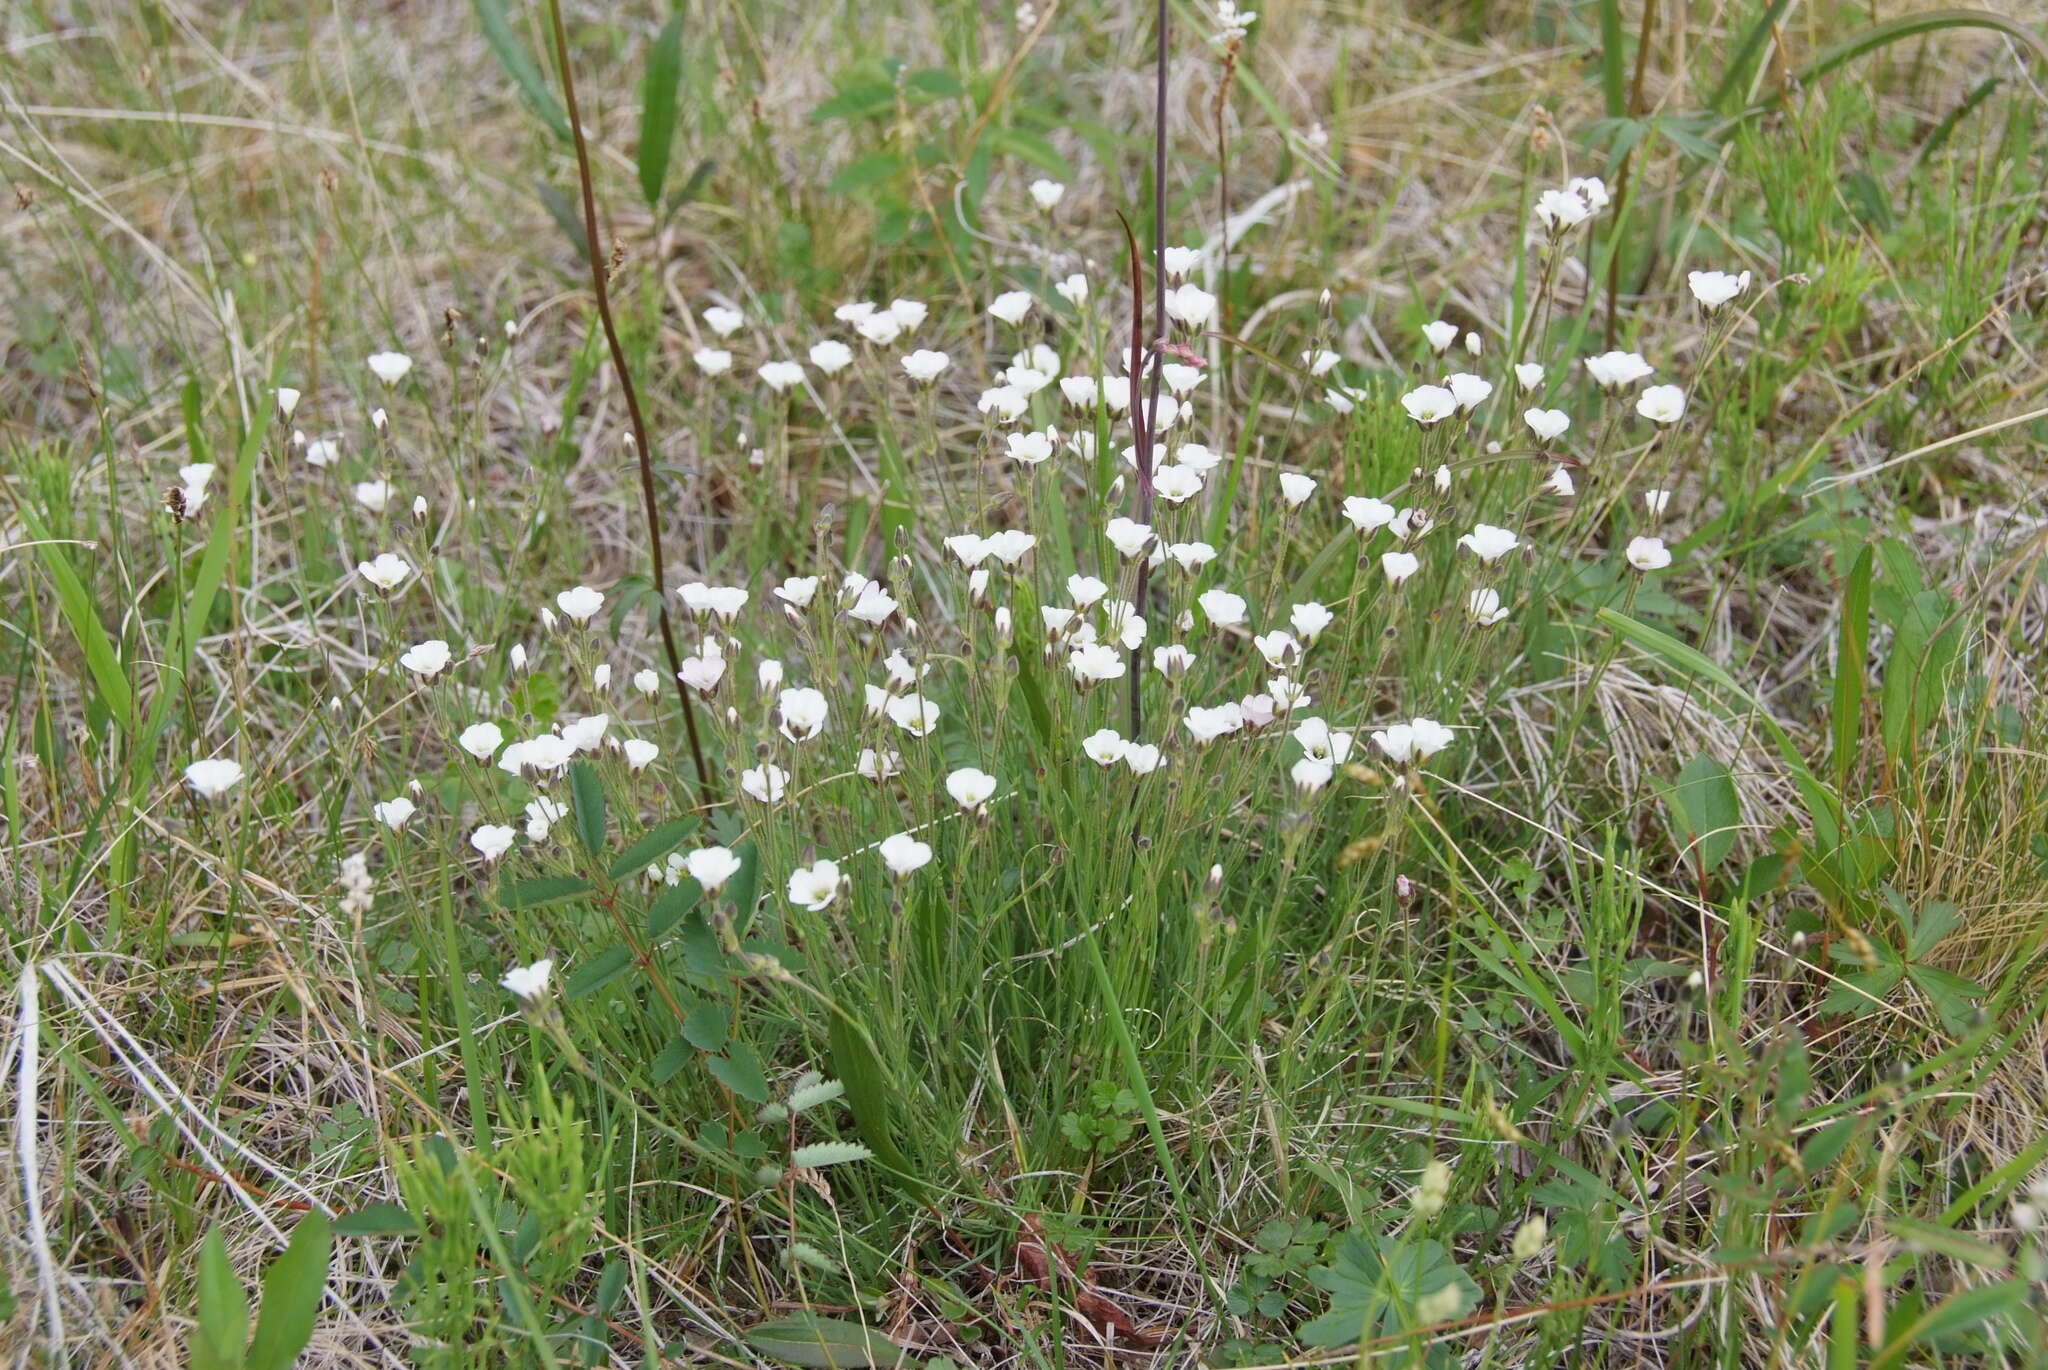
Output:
(1663, 404)
(527, 983)
(1489, 543)
(711, 867)
(914, 714)
(1439, 334)
(815, 886)
(1296, 488)
(1309, 619)
(1399, 566)
(426, 659)
(580, 604)
(767, 783)
(1715, 288)
(1011, 306)
(1429, 404)
(387, 571)
(797, 591)
(924, 365)
(1485, 607)
(970, 787)
(639, 753)
(1105, 746)
(712, 361)
(903, 854)
(1467, 389)
(1222, 608)
(1190, 305)
(1648, 554)
(390, 367)
(482, 740)
(780, 376)
(1045, 194)
(393, 813)
(803, 714)
(1616, 370)
(493, 840)
(723, 321)
(1547, 424)
(831, 356)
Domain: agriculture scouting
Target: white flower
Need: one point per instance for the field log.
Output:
(1485, 607)
(924, 365)
(797, 591)
(803, 714)
(1656, 501)
(528, 982)
(1396, 742)
(1105, 747)
(766, 783)
(702, 673)
(1528, 375)
(1713, 288)
(426, 659)
(647, 682)
(1025, 380)
(393, 813)
(723, 321)
(1547, 424)
(711, 867)
(1439, 335)
(639, 754)
(872, 606)
(1429, 737)
(1116, 393)
(1320, 362)
(482, 740)
(881, 329)
(1319, 740)
(1221, 607)
(1176, 484)
(878, 765)
(1011, 306)
(1648, 554)
(1613, 370)
(541, 816)
(903, 854)
(970, 788)
(1489, 543)
(725, 601)
(601, 678)
(1286, 694)
(1559, 210)
(854, 312)
(1181, 260)
(213, 776)
(390, 367)
(580, 604)
(1429, 404)
(1399, 566)
(780, 376)
(1011, 545)
(814, 886)
(586, 734)
(1663, 404)
(386, 572)
(1559, 483)
(1128, 536)
(909, 313)
(493, 840)
(831, 356)
(1206, 725)
(1591, 189)
(1309, 620)
(1006, 402)
(1032, 448)
(1189, 304)
(1367, 514)
(1181, 378)
(1296, 488)
(1080, 391)
(970, 548)
(1172, 659)
(1046, 193)
(1143, 758)
(1472, 344)
(1057, 617)
(1191, 556)
(373, 495)
(914, 714)
(1074, 290)
(1094, 662)
(1310, 774)
(287, 402)
(1468, 390)
(1085, 590)
(1277, 647)
(323, 452)
(712, 361)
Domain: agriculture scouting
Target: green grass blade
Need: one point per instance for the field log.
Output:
(519, 65)
(658, 107)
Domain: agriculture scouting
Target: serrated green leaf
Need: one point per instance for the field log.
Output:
(293, 1288)
(739, 1070)
(599, 971)
(705, 1028)
(658, 107)
(670, 1060)
(818, 1155)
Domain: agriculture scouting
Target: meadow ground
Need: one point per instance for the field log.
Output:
(1473, 792)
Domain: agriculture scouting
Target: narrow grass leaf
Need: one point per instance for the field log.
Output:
(658, 107)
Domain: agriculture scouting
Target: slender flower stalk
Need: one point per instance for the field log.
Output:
(641, 448)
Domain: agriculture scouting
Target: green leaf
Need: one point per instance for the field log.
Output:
(1374, 1283)
(1033, 148)
(658, 107)
(566, 215)
(292, 1290)
(599, 971)
(1852, 647)
(519, 65)
(858, 1066)
(705, 1027)
(540, 890)
(1946, 1241)
(376, 1220)
(1706, 805)
(739, 1070)
(823, 1343)
(669, 909)
(863, 172)
(653, 844)
(221, 1336)
(1960, 1312)
(73, 601)
(745, 886)
(586, 797)
(818, 1155)
(671, 1059)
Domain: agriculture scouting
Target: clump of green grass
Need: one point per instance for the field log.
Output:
(1577, 885)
